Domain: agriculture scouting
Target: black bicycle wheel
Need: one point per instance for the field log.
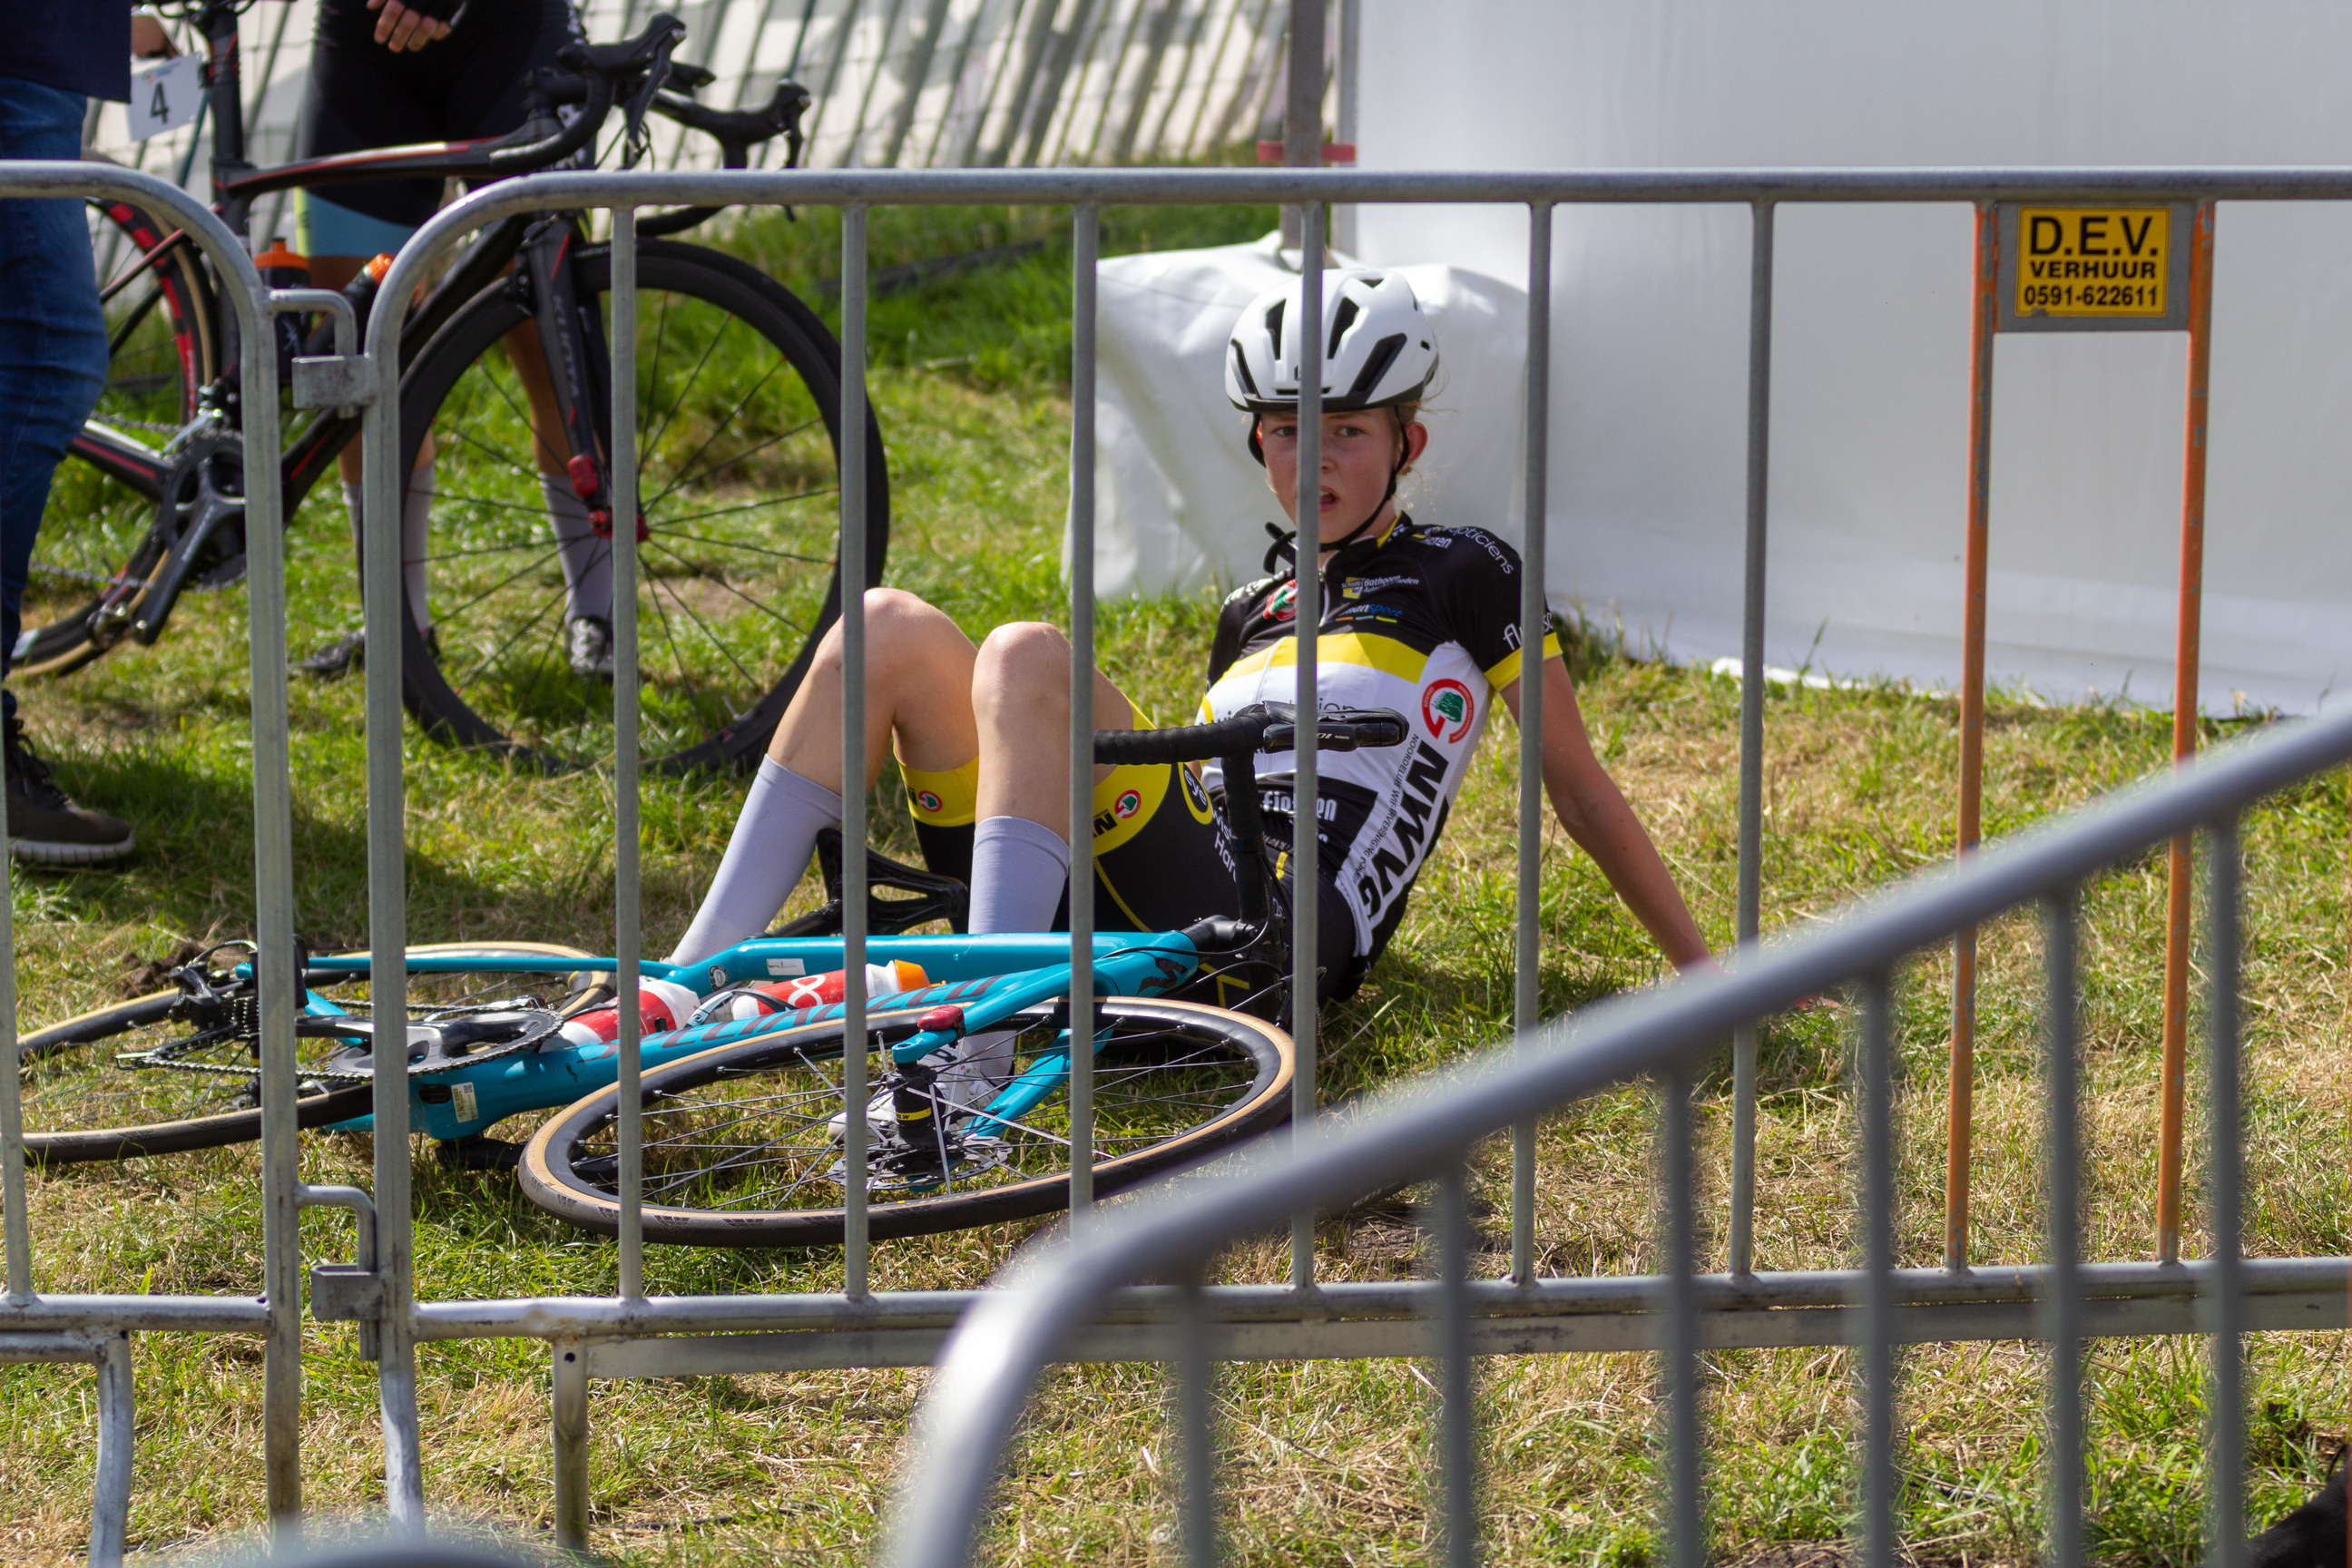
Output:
(143, 1077)
(739, 1143)
(739, 395)
(98, 542)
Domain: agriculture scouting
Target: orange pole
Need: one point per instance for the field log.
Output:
(2184, 736)
(1960, 1108)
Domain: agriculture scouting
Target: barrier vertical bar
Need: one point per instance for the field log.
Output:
(1348, 67)
(1457, 1414)
(1086, 233)
(1751, 725)
(109, 1503)
(278, 985)
(2185, 662)
(570, 1397)
(628, 935)
(853, 748)
(2224, 1303)
(1197, 1501)
(1685, 1516)
(1959, 1106)
(2062, 1311)
(19, 1238)
(1526, 1001)
(1877, 1291)
(382, 485)
(1305, 883)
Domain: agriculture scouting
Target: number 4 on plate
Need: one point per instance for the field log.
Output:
(164, 96)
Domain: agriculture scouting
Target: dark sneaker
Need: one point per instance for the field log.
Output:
(588, 641)
(45, 827)
(338, 657)
(349, 651)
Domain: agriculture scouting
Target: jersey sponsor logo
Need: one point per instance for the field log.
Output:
(1285, 603)
(1447, 703)
(1417, 801)
(1127, 805)
(1357, 587)
(928, 801)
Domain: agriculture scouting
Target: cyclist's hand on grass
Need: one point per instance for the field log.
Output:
(399, 26)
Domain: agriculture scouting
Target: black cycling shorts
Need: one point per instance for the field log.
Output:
(1164, 858)
(462, 88)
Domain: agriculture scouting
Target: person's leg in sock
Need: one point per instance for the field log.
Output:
(917, 672)
(1020, 849)
(587, 560)
(769, 849)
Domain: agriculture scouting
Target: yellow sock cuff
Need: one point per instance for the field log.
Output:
(949, 799)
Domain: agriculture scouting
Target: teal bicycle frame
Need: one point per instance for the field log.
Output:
(988, 978)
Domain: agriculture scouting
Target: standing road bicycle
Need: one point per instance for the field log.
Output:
(505, 369)
(967, 1107)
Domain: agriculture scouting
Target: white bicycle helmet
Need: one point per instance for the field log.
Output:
(1378, 347)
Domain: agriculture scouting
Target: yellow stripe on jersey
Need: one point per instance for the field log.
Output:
(1503, 674)
(1386, 655)
(949, 799)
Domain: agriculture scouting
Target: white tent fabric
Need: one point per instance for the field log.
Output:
(1179, 502)
(1869, 415)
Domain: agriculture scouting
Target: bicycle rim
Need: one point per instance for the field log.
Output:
(737, 397)
(130, 1079)
(96, 548)
(738, 1151)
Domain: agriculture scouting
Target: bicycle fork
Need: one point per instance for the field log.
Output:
(571, 336)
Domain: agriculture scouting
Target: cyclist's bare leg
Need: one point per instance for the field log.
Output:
(919, 677)
(1021, 706)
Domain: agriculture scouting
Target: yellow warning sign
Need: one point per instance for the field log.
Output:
(2092, 261)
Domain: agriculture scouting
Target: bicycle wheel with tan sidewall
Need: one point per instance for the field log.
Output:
(742, 1143)
(180, 1069)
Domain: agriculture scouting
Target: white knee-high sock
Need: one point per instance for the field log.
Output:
(587, 559)
(1019, 868)
(415, 536)
(773, 836)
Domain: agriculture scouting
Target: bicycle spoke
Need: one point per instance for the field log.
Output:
(772, 615)
(720, 429)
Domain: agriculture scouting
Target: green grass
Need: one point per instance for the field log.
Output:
(1327, 1462)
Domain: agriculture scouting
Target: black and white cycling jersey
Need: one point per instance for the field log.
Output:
(1424, 621)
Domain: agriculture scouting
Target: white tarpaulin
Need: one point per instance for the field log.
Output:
(1869, 412)
(1180, 503)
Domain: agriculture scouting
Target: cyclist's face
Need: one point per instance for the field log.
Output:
(1360, 451)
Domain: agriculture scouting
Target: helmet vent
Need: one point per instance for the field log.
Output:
(1341, 319)
(1241, 369)
(1274, 326)
(1384, 355)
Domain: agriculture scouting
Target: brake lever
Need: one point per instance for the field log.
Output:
(634, 141)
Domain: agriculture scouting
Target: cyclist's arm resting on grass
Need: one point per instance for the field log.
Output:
(1593, 810)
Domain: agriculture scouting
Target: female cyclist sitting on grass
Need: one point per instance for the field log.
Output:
(1422, 620)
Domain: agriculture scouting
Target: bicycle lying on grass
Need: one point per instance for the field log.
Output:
(745, 1111)
(739, 383)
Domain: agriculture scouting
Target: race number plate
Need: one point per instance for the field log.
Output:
(2094, 269)
(165, 96)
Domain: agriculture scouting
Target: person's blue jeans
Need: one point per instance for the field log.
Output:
(52, 335)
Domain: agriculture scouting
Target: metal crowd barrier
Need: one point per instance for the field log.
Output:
(96, 1328)
(632, 1334)
(1426, 1131)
